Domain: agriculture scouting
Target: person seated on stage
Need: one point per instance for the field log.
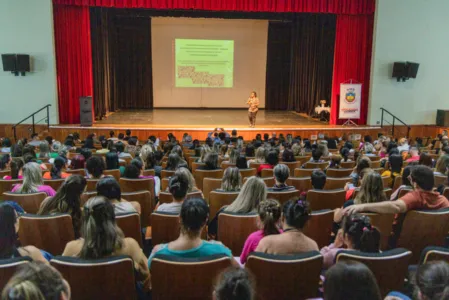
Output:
(281, 173)
(210, 162)
(295, 215)
(318, 180)
(261, 154)
(241, 163)
(95, 167)
(232, 180)
(272, 159)
(178, 186)
(288, 156)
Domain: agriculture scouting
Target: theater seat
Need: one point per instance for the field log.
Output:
(173, 277)
(302, 184)
(292, 166)
(114, 173)
(267, 173)
(347, 164)
(30, 202)
(91, 185)
(234, 229)
(7, 185)
(165, 197)
(146, 206)
(336, 183)
(322, 199)
(219, 199)
(199, 175)
(134, 185)
(284, 196)
(389, 267)
(9, 266)
(164, 227)
(50, 233)
(338, 173)
(209, 185)
(167, 173)
(319, 227)
(129, 223)
(383, 223)
(313, 165)
(434, 253)
(86, 196)
(80, 172)
(305, 172)
(107, 278)
(285, 276)
(149, 172)
(248, 172)
(54, 183)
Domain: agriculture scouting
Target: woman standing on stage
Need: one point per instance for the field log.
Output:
(253, 103)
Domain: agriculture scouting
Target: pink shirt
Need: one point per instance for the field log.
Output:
(329, 254)
(413, 158)
(42, 188)
(251, 244)
(8, 177)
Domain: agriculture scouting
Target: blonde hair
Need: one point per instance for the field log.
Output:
(184, 172)
(144, 152)
(32, 178)
(442, 164)
(324, 150)
(372, 188)
(233, 155)
(260, 155)
(232, 180)
(204, 150)
(296, 148)
(252, 193)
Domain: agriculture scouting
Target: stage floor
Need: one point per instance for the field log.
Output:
(194, 118)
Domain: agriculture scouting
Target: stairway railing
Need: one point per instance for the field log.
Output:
(32, 116)
(393, 124)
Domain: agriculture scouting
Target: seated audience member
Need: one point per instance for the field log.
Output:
(131, 172)
(241, 163)
(44, 150)
(5, 160)
(403, 145)
(269, 215)
(270, 162)
(78, 162)
(405, 182)
(121, 150)
(432, 280)
(426, 160)
(16, 150)
(193, 220)
(128, 135)
(250, 150)
(187, 142)
(88, 142)
(56, 171)
(296, 149)
(371, 189)
(316, 157)
(307, 146)
(210, 161)
(322, 147)
(234, 284)
(260, 156)
(35, 141)
(252, 193)
(6, 146)
(67, 201)
(232, 180)
(395, 168)
(109, 188)
(334, 163)
(356, 233)
(363, 162)
(32, 181)
(332, 143)
(173, 162)
(368, 146)
(281, 173)
(287, 156)
(344, 152)
(185, 173)
(422, 197)
(95, 167)
(414, 155)
(295, 214)
(102, 238)
(36, 281)
(442, 165)
(224, 151)
(9, 236)
(87, 153)
(177, 186)
(104, 147)
(131, 148)
(350, 280)
(112, 162)
(318, 179)
(16, 166)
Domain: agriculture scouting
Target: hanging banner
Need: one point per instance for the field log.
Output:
(350, 101)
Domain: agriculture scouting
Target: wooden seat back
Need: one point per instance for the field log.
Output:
(129, 223)
(283, 196)
(326, 199)
(199, 175)
(336, 183)
(234, 229)
(146, 205)
(319, 227)
(29, 202)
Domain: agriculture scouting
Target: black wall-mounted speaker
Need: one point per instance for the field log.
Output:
(23, 63)
(442, 118)
(9, 62)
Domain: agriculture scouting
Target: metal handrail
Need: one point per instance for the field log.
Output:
(32, 116)
(394, 118)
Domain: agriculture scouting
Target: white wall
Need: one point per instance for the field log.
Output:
(417, 31)
(26, 27)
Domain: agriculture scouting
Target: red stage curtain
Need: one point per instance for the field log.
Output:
(311, 6)
(352, 60)
(73, 59)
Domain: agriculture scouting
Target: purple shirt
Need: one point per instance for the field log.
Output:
(42, 188)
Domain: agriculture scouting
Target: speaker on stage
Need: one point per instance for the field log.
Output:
(86, 113)
(442, 118)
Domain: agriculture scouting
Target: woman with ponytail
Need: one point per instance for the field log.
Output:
(36, 281)
(56, 171)
(16, 166)
(295, 214)
(356, 233)
(269, 214)
(178, 187)
(102, 238)
(67, 201)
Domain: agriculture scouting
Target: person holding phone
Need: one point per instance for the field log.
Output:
(253, 103)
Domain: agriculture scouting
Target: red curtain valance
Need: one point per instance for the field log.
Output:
(351, 7)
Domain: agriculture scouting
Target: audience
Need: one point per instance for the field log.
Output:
(112, 162)
(271, 161)
(177, 186)
(210, 162)
(260, 157)
(395, 168)
(78, 162)
(102, 238)
(442, 165)
(5, 161)
(173, 162)
(432, 281)
(405, 182)
(371, 189)
(232, 180)
(234, 284)
(32, 181)
(16, 166)
(67, 201)
(281, 173)
(287, 156)
(318, 180)
(334, 163)
(414, 155)
(109, 188)
(56, 171)
(363, 162)
(95, 167)
(269, 215)
(241, 163)
(295, 214)
(426, 160)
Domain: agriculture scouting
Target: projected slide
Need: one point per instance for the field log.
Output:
(204, 63)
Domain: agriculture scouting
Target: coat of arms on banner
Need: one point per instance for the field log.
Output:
(350, 95)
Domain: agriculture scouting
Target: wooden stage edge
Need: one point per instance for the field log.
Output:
(60, 131)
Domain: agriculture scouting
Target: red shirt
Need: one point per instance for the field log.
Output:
(420, 199)
(413, 158)
(264, 166)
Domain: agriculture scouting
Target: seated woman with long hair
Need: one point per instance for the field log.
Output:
(288, 156)
(334, 162)
(232, 180)
(5, 160)
(16, 166)
(442, 165)
(271, 161)
(135, 171)
(234, 154)
(362, 162)
(32, 181)
(193, 219)
(172, 162)
(395, 168)
(295, 214)
(56, 171)
(9, 226)
(260, 156)
(183, 171)
(210, 162)
(112, 162)
(101, 238)
(356, 233)
(78, 162)
(241, 163)
(177, 186)
(252, 193)
(269, 215)
(67, 201)
(95, 167)
(109, 188)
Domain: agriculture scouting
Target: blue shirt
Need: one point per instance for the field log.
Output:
(205, 249)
